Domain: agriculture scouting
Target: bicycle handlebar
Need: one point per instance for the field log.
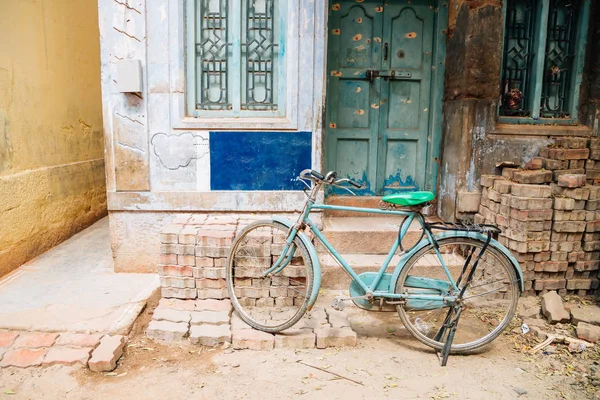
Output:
(329, 178)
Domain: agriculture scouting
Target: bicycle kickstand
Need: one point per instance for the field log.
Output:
(449, 326)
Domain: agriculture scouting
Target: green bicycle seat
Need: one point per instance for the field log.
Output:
(408, 199)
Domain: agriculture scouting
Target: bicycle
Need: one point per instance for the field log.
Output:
(454, 271)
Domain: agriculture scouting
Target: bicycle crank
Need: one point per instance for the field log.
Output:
(338, 302)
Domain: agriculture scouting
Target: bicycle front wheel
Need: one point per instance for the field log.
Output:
(275, 301)
(489, 301)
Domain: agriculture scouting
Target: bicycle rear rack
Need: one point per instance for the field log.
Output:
(464, 227)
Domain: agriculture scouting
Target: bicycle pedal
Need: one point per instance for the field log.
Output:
(337, 304)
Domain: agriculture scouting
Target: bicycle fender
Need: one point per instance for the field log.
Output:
(312, 252)
(449, 234)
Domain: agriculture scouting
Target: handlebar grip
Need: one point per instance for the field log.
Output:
(355, 184)
(316, 174)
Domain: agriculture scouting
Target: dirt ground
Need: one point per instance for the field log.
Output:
(388, 363)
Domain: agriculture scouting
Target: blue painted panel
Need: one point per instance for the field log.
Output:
(258, 160)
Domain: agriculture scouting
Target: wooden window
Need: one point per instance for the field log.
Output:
(544, 46)
(236, 58)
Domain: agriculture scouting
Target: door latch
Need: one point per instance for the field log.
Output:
(371, 74)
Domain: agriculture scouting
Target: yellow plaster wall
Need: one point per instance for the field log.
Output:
(51, 144)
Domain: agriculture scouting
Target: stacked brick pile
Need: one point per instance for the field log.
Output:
(193, 255)
(211, 323)
(547, 213)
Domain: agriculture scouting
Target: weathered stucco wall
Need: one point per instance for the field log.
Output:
(160, 161)
(51, 153)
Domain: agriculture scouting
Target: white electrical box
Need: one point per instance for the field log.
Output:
(129, 76)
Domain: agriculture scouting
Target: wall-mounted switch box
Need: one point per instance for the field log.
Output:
(129, 76)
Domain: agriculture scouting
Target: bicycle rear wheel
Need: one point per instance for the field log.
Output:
(489, 301)
(277, 301)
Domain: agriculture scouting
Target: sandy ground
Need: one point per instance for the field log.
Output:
(387, 364)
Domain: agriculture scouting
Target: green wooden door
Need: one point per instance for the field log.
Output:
(378, 93)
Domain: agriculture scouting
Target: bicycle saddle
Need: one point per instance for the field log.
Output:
(408, 199)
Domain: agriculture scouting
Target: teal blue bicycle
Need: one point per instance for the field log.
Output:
(455, 272)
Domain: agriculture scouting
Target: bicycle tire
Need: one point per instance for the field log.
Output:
(422, 331)
(266, 306)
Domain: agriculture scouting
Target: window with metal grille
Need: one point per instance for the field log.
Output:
(544, 46)
(235, 57)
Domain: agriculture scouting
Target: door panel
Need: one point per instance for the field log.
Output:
(353, 111)
(404, 125)
(377, 127)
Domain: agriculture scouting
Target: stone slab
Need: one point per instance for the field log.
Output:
(78, 340)
(588, 332)
(23, 358)
(35, 339)
(7, 338)
(295, 339)
(67, 356)
(76, 289)
(213, 305)
(335, 337)
(553, 309)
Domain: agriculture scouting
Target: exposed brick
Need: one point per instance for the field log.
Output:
(295, 339)
(7, 338)
(219, 273)
(593, 226)
(539, 191)
(23, 358)
(535, 163)
(528, 177)
(205, 262)
(571, 181)
(167, 330)
(502, 186)
(575, 193)
(541, 257)
(478, 219)
(211, 283)
(554, 266)
(549, 284)
(179, 293)
(35, 339)
(186, 260)
(577, 164)
(508, 172)
(565, 246)
(571, 142)
(167, 259)
(202, 251)
(592, 205)
(177, 282)
(591, 265)
(210, 317)
(108, 352)
(488, 180)
(588, 332)
(559, 172)
(78, 340)
(555, 164)
(531, 215)
(252, 339)
(213, 305)
(493, 195)
(67, 356)
(212, 294)
(162, 313)
(564, 204)
(215, 238)
(575, 256)
(187, 235)
(210, 335)
(568, 154)
(523, 203)
(530, 226)
(175, 270)
(569, 226)
(579, 284)
(169, 234)
(335, 337)
(591, 246)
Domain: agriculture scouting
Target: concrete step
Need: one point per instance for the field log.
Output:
(368, 235)
(335, 277)
(353, 201)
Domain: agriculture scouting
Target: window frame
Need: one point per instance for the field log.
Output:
(537, 73)
(285, 117)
